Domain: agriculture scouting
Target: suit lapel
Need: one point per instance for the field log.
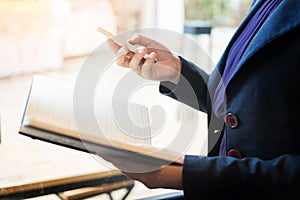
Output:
(282, 20)
(255, 6)
(216, 74)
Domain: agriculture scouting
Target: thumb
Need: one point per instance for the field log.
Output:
(140, 39)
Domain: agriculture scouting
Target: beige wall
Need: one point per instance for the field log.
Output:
(38, 35)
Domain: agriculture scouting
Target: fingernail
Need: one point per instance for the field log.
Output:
(152, 54)
(141, 50)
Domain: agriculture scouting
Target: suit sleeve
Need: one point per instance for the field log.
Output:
(192, 87)
(248, 178)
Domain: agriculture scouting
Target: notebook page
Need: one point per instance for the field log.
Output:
(123, 120)
(50, 107)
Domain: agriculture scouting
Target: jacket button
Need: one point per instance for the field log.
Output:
(231, 120)
(234, 153)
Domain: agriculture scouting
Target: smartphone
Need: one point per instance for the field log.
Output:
(118, 39)
(121, 41)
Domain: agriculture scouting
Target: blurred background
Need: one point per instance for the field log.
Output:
(40, 34)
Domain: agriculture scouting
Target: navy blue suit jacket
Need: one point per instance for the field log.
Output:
(263, 94)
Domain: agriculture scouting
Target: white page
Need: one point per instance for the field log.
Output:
(50, 106)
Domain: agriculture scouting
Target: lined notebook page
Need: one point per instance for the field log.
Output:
(50, 107)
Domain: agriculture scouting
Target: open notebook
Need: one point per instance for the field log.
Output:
(49, 116)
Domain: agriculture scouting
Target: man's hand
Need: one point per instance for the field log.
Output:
(166, 177)
(152, 60)
(169, 176)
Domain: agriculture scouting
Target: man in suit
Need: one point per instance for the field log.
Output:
(257, 153)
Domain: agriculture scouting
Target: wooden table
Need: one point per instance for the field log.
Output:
(35, 168)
